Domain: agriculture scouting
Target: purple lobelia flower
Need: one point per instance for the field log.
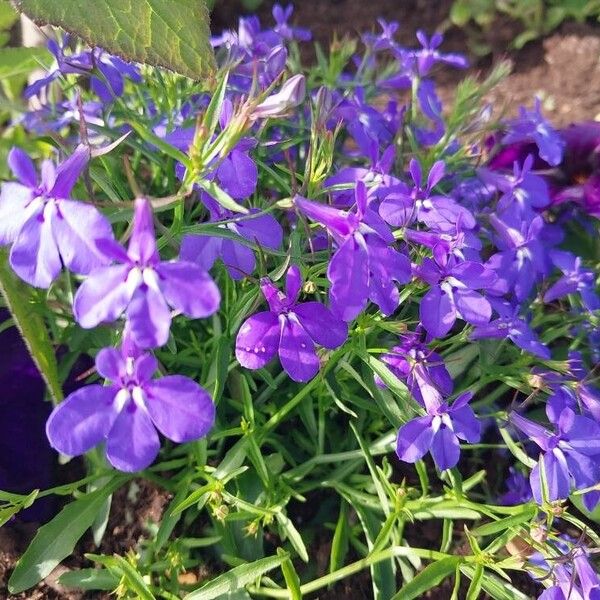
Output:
(523, 256)
(385, 39)
(46, 228)
(286, 31)
(509, 325)
(126, 413)
(290, 329)
(237, 258)
(532, 126)
(402, 204)
(144, 287)
(518, 489)
(113, 71)
(453, 294)
(291, 95)
(423, 369)
(523, 192)
(364, 265)
(429, 54)
(569, 457)
(439, 432)
(575, 280)
(576, 581)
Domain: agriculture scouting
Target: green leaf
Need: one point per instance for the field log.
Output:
(130, 578)
(221, 196)
(55, 540)
(291, 577)
(237, 578)
(20, 300)
(293, 535)
(164, 33)
(89, 579)
(428, 578)
(20, 61)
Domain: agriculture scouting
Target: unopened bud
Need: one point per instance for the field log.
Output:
(291, 94)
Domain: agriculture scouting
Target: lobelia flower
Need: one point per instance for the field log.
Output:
(429, 54)
(144, 287)
(577, 581)
(126, 413)
(523, 192)
(46, 229)
(439, 432)
(291, 95)
(423, 369)
(453, 294)
(509, 325)
(290, 329)
(402, 205)
(532, 126)
(523, 256)
(518, 489)
(364, 266)
(238, 259)
(385, 39)
(569, 457)
(575, 279)
(286, 31)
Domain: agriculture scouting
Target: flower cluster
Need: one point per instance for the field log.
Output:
(397, 247)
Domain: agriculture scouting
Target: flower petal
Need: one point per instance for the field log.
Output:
(149, 317)
(472, 306)
(76, 227)
(297, 351)
(83, 420)
(200, 249)
(22, 167)
(188, 288)
(180, 408)
(257, 340)
(437, 312)
(320, 323)
(414, 439)
(34, 255)
(445, 449)
(110, 364)
(103, 296)
(15, 210)
(132, 442)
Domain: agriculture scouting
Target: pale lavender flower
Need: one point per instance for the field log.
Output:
(46, 229)
(144, 287)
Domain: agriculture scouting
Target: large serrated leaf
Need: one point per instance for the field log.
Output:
(19, 300)
(164, 33)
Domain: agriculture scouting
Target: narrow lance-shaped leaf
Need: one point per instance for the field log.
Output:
(19, 300)
(164, 33)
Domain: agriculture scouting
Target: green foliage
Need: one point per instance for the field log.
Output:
(157, 32)
(536, 17)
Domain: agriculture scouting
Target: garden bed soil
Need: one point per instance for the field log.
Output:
(564, 68)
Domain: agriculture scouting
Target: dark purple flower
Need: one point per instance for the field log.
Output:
(511, 326)
(532, 126)
(239, 260)
(523, 257)
(575, 280)
(429, 54)
(144, 287)
(439, 432)
(518, 489)
(569, 457)
(385, 39)
(424, 370)
(575, 581)
(364, 265)
(113, 72)
(522, 192)
(290, 329)
(45, 228)
(126, 413)
(286, 31)
(402, 204)
(453, 294)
